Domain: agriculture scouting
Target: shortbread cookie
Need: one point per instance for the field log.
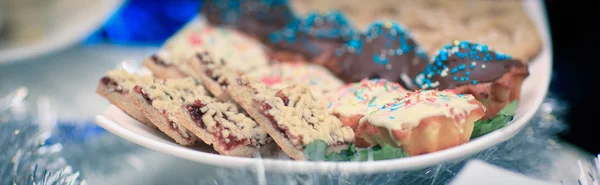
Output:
(243, 53)
(423, 122)
(505, 25)
(116, 86)
(291, 116)
(316, 37)
(386, 51)
(281, 75)
(221, 125)
(161, 101)
(257, 18)
(356, 100)
(492, 77)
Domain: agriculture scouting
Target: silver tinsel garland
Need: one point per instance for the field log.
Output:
(33, 153)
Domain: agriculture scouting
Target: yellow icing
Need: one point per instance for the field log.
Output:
(364, 97)
(406, 113)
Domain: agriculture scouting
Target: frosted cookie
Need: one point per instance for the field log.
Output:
(503, 24)
(161, 101)
(356, 100)
(315, 37)
(492, 77)
(386, 50)
(291, 116)
(116, 86)
(258, 18)
(423, 122)
(243, 53)
(281, 75)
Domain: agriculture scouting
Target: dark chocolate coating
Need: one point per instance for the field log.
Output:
(314, 35)
(464, 63)
(258, 18)
(385, 51)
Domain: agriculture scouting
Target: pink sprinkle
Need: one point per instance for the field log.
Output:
(195, 39)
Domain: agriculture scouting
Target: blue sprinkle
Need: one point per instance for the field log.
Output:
(379, 60)
(472, 66)
(474, 82)
(467, 73)
(462, 66)
(484, 48)
(466, 78)
(454, 70)
(392, 117)
(455, 78)
(462, 79)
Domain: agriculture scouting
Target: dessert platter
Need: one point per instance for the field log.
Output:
(318, 86)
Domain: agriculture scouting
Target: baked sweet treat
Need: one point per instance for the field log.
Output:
(257, 18)
(492, 77)
(358, 99)
(423, 121)
(386, 51)
(242, 52)
(161, 101)
(281, 75)
(116, 87)
(315, 37)
(213, 74)
(505, 25)
(175, 51)
(291, 116)
(223, 126)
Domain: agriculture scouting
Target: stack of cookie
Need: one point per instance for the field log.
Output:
(246, 90)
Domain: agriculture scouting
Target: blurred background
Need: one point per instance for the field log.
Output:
(43, 35)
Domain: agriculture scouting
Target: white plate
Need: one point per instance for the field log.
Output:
(532, 95)
(65, 30)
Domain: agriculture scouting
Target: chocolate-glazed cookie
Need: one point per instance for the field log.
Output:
(493, 78)
(258, 18)
(386, 51)
(316, 37)
(463, 63)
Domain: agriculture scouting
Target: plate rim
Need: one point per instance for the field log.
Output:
(410, 163)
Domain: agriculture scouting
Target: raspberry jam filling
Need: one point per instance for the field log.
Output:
(113, 85)
(196, 114)
(138, 89)
(264, 109)
(159, 61)
(230, 141)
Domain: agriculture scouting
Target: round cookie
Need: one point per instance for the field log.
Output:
(505, 25)
(386, 51)
(358, 99)
(464, 63)
(281, 75)
(316, 36)
(493, 78)
(258, 18)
